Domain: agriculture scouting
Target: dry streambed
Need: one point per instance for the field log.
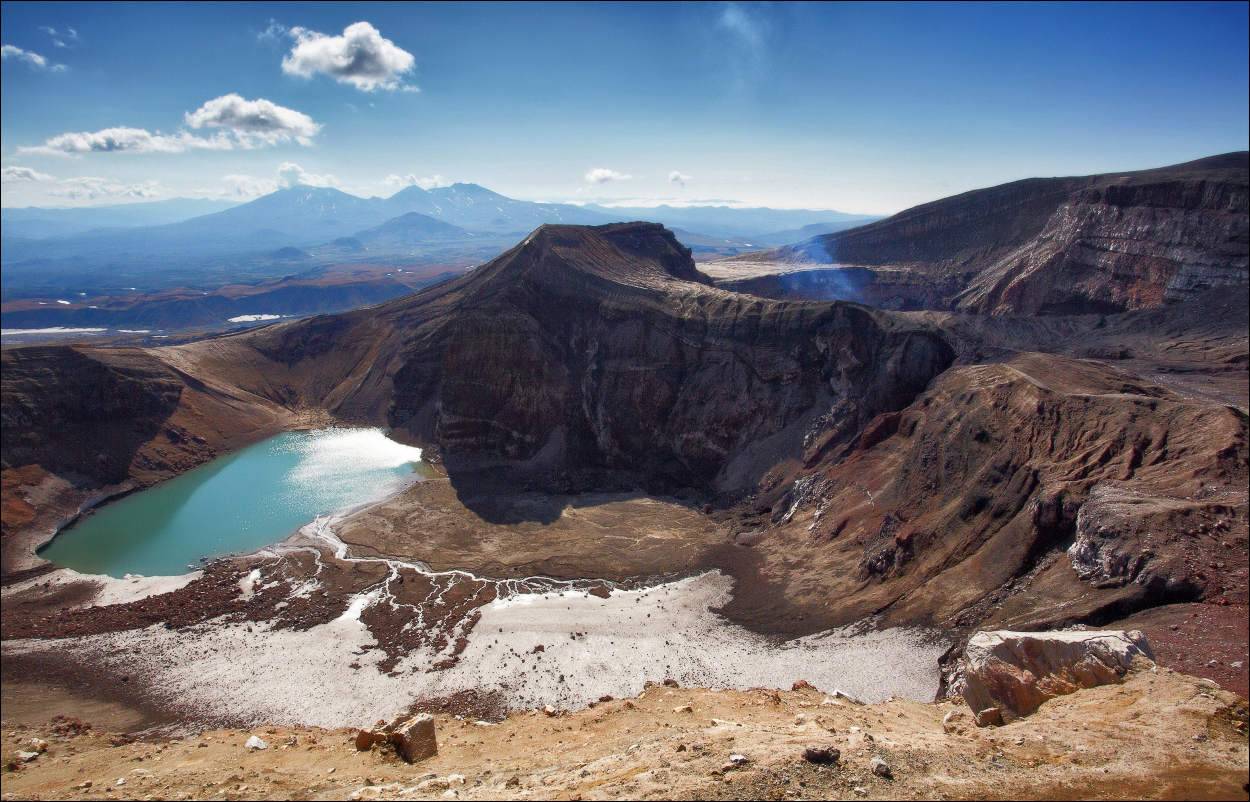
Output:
(1160, 734)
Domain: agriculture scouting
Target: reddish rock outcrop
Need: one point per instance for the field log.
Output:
(1013, 673)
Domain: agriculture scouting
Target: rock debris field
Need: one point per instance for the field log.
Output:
(1158, 735)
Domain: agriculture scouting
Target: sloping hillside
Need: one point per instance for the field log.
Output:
(1102, 244)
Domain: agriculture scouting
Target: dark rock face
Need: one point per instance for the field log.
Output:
(601, 352)
(83, 410)
(1097, 244)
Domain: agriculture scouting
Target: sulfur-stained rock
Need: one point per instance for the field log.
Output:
(1015, 672)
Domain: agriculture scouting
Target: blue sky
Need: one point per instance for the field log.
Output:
(859, 108)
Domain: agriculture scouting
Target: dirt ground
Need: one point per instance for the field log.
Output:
(609, 535)
(1159, 735)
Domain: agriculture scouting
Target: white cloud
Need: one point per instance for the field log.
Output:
(254, 120)
(290, 174)
(14, 174)
(129, 140)
(59, 38)
(412, 180)
(245, 186)
(249, 124)
(33, 59)
(360, 57)
(602, 175)
(89, 187)
(677, 178)
(275, 30)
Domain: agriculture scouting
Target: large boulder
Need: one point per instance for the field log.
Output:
(1010, 674)
(414, 739)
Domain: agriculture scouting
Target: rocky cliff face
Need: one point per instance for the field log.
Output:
(1099, 244)
(599, 355)
(83, 410)
(592, 357)
(1029, 489)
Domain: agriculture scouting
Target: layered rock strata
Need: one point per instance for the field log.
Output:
(1096, 244)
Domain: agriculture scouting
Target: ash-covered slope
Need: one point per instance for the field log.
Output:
(595, 357)
(1104, 243)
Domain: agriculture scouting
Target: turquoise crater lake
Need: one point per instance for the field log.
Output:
(237, 503)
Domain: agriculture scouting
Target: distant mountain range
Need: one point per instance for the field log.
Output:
(728, 221)
(176, 242)
(33, 222)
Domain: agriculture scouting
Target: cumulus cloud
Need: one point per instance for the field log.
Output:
(89, 187)
(602, 175)
(128, 140)
(36, 61)
(360, 57)
(254, 120)
(15, 175)
(411, 180)
(247, 124)
(290, 174)
(677, 178)
(245, 186)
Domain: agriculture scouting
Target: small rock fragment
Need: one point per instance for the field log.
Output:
(26, 757)
(549, 710)
(990, 717)
(256, 743)
(683, 709)
(801, 685)
(821, 754)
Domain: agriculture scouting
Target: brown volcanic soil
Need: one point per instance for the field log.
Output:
(1157, 736)
(610, 535)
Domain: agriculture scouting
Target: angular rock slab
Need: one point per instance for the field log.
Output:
(1017, 671)
(414, 739)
